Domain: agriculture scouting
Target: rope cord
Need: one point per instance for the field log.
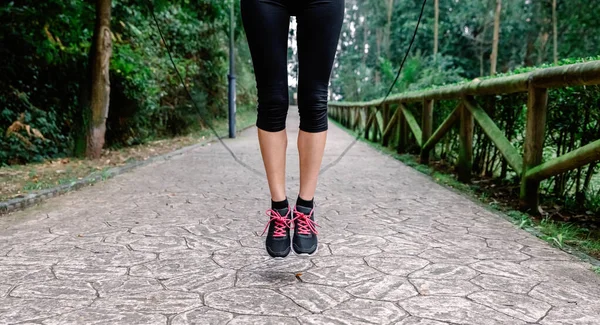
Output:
(235, 157)
(333, 163)
(167, 47)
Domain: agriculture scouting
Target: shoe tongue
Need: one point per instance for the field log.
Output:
(303, 210)
(282, 212)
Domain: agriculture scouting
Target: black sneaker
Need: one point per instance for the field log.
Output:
(305, 241)
(278, 237)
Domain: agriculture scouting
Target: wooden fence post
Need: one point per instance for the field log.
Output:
(465, 155)
(403, 129)
(368, 122)
(347, 117)
(391, 126)
(373, 128)
(380, 122)
(396, 136)
(534, 146)
(364, 117)
(426, 129)
(386, 115)
(356, 119)
(373, 136)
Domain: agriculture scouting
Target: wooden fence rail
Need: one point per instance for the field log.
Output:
(390, 121)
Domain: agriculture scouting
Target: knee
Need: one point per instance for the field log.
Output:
(272, 110)
(313, 112)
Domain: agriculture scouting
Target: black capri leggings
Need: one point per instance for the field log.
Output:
(266, 23)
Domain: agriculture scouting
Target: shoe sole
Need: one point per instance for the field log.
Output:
(278, 257)
(305, 254)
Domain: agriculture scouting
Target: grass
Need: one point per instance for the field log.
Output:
(18, 181)
(559, 234)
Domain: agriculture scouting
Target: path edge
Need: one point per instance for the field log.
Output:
(571, 250)
(32, 199)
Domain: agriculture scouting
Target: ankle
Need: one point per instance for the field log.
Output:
(279, 205)
(305, 203)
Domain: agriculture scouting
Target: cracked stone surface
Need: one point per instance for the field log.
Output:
(178, 242)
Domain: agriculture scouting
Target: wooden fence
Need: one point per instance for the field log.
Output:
(392, 120)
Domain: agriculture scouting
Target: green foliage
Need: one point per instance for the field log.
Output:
(44, 49)
(558, 233)
(365, 70)
(39, 75)
(521, 219)
(439, 71)
(465, 41)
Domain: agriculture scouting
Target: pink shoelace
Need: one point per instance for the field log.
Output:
(303, 223)
(281, 223)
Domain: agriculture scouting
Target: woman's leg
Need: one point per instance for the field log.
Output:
(311, 147)
(319, 26)
(266, 24)
(273, 146)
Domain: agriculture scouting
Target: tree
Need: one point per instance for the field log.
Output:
(388, 28)
(49, 53)
(100, 54)
(436, 26)
(554, 32)
(496, 39)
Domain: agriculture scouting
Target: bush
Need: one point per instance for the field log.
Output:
(44, 49)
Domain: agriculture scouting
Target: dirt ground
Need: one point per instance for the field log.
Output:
(21, 180)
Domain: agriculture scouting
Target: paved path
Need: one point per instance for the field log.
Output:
(177, 242)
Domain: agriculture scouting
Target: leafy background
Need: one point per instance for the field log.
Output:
(44, 53)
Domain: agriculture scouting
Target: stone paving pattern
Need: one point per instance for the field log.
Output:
(177, 242)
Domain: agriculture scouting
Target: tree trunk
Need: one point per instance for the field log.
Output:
(529, 49)
(365, 43)
(481, 62)
(494, 56)
(436, 27)
(482, 48)
(554, 31)
(542, 49)
(588, 177)
(579, 195)
(100, 92)
(388, 29)
(378, 40)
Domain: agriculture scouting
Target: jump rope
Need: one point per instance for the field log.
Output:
(220, 139)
